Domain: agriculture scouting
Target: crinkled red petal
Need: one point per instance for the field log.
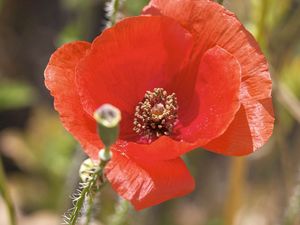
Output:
(217, 98)
(211, 24)
(148, 183)
(60, 80)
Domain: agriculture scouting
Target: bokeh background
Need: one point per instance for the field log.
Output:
(41, 159)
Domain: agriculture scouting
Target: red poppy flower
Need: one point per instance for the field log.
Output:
(188, 75)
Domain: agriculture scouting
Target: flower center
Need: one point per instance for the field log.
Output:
(156, 114)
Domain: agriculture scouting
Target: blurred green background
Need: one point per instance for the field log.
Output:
(41, 159)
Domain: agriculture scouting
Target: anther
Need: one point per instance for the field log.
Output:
(156, 114)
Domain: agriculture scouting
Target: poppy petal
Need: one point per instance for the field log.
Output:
(211, 24)
(147, 183)
(254, 117)
(217, 100)
(60, 80)
(137, 55)
(156, 150)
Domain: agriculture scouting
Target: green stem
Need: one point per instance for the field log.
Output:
(220, 1)
(262, 22)
(113, 18)
(107, 153)
(120, 216)
(6, 196)
(90, 204)
(87, 191)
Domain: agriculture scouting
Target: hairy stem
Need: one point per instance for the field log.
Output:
(114, 13)
(87, 192)
(6, 196)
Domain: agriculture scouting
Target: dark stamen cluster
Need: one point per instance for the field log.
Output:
(156, 115)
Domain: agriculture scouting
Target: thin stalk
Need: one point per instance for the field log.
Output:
(87, 191)
(6, 196)
(236, 189)
(261, 25)
(90, 203)
(80, 200)
(114, 13)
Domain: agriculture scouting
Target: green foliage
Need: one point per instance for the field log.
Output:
(54, 146)
(15, 94)
(70, 33)
(134, 7)
(5, 194)
(275, 10)
(77, 29)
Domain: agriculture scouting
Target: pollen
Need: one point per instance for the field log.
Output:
(156, 115)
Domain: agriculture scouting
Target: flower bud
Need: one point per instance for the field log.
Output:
(86, 170)
(108, 118)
